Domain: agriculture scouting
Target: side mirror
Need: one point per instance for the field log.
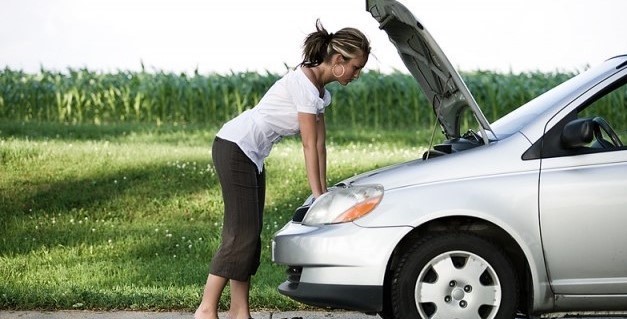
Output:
(578, 133)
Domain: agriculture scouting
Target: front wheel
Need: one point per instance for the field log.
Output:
(457, 275)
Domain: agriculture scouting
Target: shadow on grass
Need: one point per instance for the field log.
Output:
(126, 195)
(167, 133)
(157, 183)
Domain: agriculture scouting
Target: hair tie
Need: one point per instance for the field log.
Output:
(329, 38)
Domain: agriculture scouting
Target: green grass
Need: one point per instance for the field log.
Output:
(128, 216)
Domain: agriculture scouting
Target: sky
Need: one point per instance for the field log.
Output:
(226, 36)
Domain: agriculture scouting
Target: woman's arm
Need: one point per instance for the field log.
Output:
(322, 151)
(312, 136)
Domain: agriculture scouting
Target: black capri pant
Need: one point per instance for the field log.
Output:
(243, 191)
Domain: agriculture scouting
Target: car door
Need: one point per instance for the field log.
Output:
(583, 199)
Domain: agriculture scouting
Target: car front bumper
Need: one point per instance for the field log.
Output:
(337, 266)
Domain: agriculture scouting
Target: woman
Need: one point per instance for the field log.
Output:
(295, 103)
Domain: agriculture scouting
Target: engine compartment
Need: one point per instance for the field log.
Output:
(468, 141)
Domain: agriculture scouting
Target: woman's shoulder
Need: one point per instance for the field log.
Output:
(293, 74)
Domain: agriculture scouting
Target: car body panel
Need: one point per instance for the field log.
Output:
(342, 265)
(322, 252)
(588, 193)
(595, 222)
(497, 158)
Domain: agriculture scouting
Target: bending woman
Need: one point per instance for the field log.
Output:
(294, 104)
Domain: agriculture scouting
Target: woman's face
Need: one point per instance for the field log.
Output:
(352, 69)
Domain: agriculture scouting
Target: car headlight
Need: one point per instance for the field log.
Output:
(343, 205)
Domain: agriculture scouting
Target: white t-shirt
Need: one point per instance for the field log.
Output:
(256, 130)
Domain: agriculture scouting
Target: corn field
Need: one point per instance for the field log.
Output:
(376, 100)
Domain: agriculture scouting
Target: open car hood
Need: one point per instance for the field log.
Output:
(425, 60)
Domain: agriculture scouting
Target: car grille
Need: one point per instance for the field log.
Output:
(293, 275)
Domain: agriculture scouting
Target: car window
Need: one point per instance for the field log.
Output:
(612, 107)
(598, 125)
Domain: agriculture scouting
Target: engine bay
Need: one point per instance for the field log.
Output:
(469, 140)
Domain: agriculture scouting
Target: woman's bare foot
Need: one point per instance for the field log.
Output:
(205, 314)
(231, 315)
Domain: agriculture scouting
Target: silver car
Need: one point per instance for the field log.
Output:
(525, 215)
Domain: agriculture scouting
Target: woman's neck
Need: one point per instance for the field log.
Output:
(314, 74)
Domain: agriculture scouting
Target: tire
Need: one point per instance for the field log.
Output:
(386, 313)
(454, 275)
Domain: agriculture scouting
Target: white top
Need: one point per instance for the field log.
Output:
(256, 130)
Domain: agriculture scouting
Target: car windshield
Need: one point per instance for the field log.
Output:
(520, 117)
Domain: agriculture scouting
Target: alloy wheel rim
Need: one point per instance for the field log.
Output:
(458, 284)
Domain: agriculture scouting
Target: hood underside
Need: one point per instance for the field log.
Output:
(424, 59)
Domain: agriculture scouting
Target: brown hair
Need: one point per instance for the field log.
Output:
(320, 45)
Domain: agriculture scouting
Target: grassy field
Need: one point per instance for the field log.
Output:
(110, 205)
(127, 216)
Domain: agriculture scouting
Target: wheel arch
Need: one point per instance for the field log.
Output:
(480, 227)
